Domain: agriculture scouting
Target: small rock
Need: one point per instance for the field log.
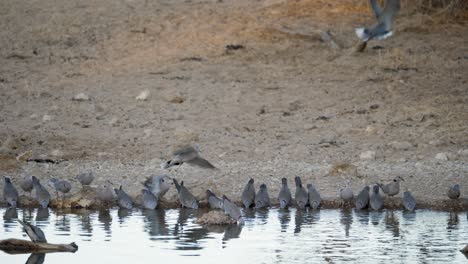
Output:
(57, 153)
(367, 155)
(147, 133)
(33, 116)
(177, 99)
(46, 118)
(81, 97)
(371, 129)
(400, 145)
(24, 156)
(114, 121)
(463, 152)
(143, 96)
(441, 156)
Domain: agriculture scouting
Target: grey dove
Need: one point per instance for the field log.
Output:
(392, 188)
(106, 193)
(362, 199)
(214, 201)
(314, 197)
(232, 210)
(248, 194)
(158, 184)
(186, 198)
(346, 193)
(85, 178)
(376, 200)
(189, 155)
(301, 195)
(123, 199)
(61, 186)
(284, 195)
(149, 199)
(383, 28)
(408, 201)
(26, 184)
(262, 199)
(42, 196)
(34, 233)
(10, 194)
(454, 191)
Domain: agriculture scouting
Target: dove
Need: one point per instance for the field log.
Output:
(42, 196)
(376, 201)
(454, 191)
(262, 199)
(158, 184)
(149, 200)
(85, 178)
(408, 201)
(314, 197)
(10, 194)
(214, 201)
(232, 210)
(106, 193)
(248, 194)
(186, 199)
(34, 233)
(301, 196)
(187, 154)
(284, 195)
(61, 186)
(346, 193)
(123, 199)
(383, 28)
(26, 184)
(392, 188)
(362, 200)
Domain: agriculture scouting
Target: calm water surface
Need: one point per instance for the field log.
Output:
(268, 236)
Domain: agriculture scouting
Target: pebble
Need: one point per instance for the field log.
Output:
(367, 155)
(81, 97)
(114, 121)
(47, 118)
(24, 156)
(463, 152)
(57, 153)
(404, 145)
(441, 156)
(177, 99)
(143, 96)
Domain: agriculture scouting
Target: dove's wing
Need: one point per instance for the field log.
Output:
(376, 7)
(202, 163)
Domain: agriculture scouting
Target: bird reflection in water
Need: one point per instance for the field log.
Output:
(9, 217)
(375, 217)
(155, 224)
(392, 223)
(232, 231)
(62, 222)
(123, 214)
(42, 215)
(346, 219)
(284, 217)
(452, 221)
(86, 224)
(303, 218)
(362, 216)
(188, 238)
(105, 219)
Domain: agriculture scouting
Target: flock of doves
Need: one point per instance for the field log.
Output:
(155, 187)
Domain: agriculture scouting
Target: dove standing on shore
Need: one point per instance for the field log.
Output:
(10, 194)
(34, 233)
(376, 200)
(262, 199)
(346, 193)
(301, 195)
(408, 201)
(26, 184)
(284, 195)
(314, 197)
(454, 192)
(186, 198)
(158, 184)
(392, 188)
(123, 199)
(232, 210)
(187, 154)
(61, 186)
(214, 201)
(85, 178)
(248, 194)
(383, 28)
(106, 193)
(149, 200)
(42, 196)
(362, 200)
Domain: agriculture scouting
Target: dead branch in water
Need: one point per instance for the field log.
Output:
(19, 246)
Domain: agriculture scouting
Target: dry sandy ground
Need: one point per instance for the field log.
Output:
(284, 105)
